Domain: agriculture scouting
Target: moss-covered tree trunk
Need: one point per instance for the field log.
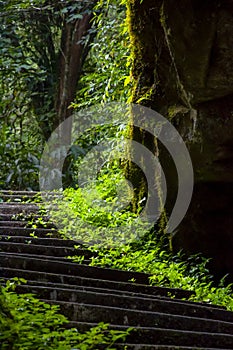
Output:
(183, 68)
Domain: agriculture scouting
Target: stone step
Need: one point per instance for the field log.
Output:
(138, 301)
(26, 224)
(58, 242)
(170, 337)
(124, 346)
(7, 217)
(9, 208)
(21, 198)
(143, 345)
(51, 258)
(82, 312)
(42, 250)
(29, 194)
(13, 223)
(71, 281)
(88, 295)
(26, 197)
(23, 218)
(26, 231)
(11, 217)
(83, 326)
(71, 268)
(82, 288)
(19, 193)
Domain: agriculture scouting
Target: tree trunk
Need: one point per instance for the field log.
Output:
(70, 65)
(53, 95)
(183, 68)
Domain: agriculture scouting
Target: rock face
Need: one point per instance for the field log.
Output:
(183, 68)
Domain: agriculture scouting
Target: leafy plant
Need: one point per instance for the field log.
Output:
(168, 270)
(100, 212)
(29, 77)
(106, 72)
(91, 216)
(27, 323)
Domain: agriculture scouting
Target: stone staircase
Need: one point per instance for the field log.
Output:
(89, 295)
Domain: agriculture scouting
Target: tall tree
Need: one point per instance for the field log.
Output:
(182, 68)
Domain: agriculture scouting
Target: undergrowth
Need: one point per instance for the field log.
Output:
(27, 323)
(167, 270)
(95, 226)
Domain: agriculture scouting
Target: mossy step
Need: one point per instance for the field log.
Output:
(138, 301)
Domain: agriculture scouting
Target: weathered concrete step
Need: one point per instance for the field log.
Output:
(23, 218)
(92, 282)
(71, 268)
(82, 288)
(15, 198)
(25, 231)
(142, 344)
(13, 223)
(89, 289)
(58, 242)
(27, 197)
(83, 312)
(176, 339)
(7, 217)
(125, 346)
(9, 208)
(14, 217)
(19, 193)
(42, 250)
(51, 258)
(139, 302)
(25, 224)
(181, 338)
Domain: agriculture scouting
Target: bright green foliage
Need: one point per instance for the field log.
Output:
(94, 213)
(26, 323)
(18, 149)
(168, 271)
(106, 73)
(85, 220)
(21, 74)
(88, 216)
(30, 45)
